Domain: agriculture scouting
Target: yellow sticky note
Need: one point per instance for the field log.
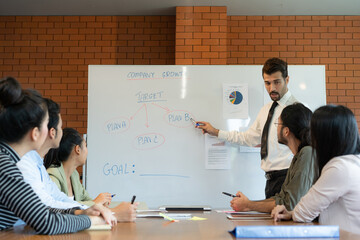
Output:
(194, 218)
(166, 217)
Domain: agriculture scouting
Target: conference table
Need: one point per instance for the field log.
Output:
(216, 226)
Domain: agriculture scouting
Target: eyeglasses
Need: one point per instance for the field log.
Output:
(277, 123)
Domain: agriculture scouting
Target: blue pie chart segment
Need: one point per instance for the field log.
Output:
(236, 97)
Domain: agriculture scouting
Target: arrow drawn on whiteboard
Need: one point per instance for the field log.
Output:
(147, 119)
(165, 108)
(132, 117)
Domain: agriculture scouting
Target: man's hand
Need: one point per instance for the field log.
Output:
(208, 128)
(279, 212)
(240, 203)
(125, 212)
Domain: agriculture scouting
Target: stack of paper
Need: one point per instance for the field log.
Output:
(248, 216)
(100, 227)
(168, 216)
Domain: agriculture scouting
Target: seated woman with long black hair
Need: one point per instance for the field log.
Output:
(63, 161)
(23, 127)
(61, 164)
(335, 197)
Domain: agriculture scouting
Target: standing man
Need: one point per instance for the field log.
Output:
(275, 157)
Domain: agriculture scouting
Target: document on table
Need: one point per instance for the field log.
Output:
(247, 213)
(99, 227)
(217, 154)
(149, 210)
(234, 216)
(172, 216)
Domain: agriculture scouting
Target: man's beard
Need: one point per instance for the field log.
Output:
(281, 139)
(276, 97)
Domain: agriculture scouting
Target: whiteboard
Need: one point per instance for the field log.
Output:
(130, 105)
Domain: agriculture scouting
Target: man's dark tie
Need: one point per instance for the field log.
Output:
(265, 133)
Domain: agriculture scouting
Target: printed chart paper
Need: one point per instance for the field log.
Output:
(235, 101)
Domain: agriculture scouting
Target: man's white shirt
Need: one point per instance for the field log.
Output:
(279, 155)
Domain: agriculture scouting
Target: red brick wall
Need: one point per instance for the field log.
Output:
(333, 41)
(201, 34)
(52, 53)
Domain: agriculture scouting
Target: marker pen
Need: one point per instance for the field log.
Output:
(194, 122)
(229, 194)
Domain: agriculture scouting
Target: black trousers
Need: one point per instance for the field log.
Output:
(275, 180)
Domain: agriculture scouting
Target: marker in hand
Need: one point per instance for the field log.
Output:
(133, 199)
(194, 122)
(229, 194)
(113, 195)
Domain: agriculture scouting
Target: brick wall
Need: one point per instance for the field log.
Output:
(333, 41)
(201, 34)
(52, 53)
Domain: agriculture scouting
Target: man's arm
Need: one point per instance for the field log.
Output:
(266, 205)
(242, 204)
(206, 127)
(250, 137)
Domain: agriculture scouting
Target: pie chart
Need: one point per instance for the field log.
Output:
(236, 97)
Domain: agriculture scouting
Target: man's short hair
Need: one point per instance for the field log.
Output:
(273, 65)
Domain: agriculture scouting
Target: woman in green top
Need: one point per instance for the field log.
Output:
(63, 161)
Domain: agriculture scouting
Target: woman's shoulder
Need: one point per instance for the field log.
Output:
(55, 171)
(8, 166)
(345, 161)
(75, 174)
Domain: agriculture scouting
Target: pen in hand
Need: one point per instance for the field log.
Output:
(133, 199)
(229, 194)
(196, 123)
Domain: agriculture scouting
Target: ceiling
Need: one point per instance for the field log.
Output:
(167, 7)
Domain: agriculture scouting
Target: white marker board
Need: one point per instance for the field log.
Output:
(142, 143)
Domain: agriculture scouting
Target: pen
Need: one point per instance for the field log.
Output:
(193, 121)
(133, 199)
(197, 124)
(113, 195)
(229, 194)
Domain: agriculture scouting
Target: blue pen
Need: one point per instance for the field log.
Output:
(113, 195)
(194, 122)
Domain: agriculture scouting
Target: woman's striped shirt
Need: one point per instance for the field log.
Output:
(18, 200)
